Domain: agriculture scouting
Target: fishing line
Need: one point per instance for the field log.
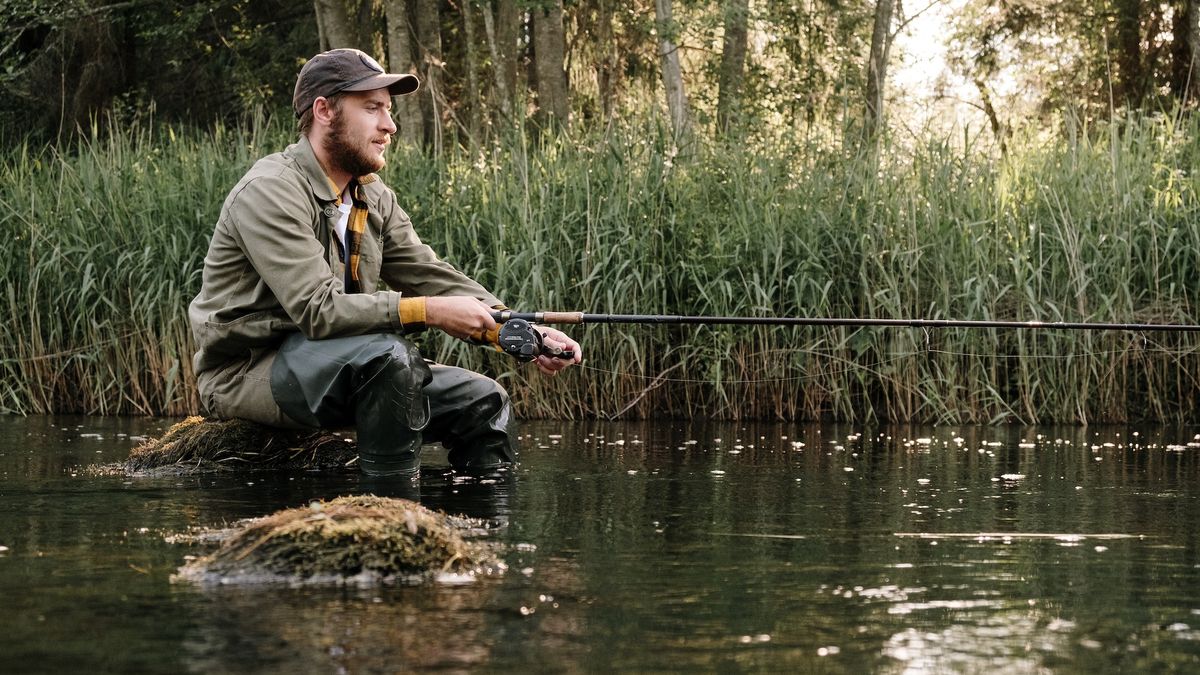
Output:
(518, 337)
(583, 318)
(849, 367)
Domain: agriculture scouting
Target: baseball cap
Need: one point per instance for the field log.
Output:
(339, 70)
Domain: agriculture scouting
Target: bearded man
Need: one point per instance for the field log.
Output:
(315, 277)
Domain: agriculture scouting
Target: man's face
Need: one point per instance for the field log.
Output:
(361, 130)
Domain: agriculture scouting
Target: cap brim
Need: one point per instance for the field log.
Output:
(397, 85)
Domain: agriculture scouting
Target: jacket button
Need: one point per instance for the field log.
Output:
(330, 211)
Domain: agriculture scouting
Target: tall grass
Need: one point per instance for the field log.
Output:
(102, 250)
(106, 242)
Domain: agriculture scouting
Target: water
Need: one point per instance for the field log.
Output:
(649, 547)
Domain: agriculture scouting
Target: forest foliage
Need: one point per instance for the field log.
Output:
(791, 67)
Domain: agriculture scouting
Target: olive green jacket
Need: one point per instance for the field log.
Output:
(274, 265)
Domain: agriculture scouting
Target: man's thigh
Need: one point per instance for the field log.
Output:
(318, 383)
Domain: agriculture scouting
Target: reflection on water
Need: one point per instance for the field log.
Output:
(656, 546)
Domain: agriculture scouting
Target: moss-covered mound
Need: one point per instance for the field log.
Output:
(363, 539)
(199, 445)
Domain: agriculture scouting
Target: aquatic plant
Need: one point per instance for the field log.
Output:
(362, 539)
(197, 445)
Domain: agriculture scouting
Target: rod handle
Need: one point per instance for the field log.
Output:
(538, 317)
(561, 317)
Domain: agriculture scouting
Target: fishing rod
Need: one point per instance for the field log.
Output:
(517, 337)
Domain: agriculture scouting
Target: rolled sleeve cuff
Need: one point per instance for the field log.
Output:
(412, 314)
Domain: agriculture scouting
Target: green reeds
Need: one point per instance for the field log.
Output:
(106, 242)
(102, 251)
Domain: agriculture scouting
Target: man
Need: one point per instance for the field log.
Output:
(292, 327)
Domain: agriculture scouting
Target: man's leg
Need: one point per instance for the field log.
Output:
(371, 381)
(471, 416)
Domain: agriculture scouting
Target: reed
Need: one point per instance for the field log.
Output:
(106, 241)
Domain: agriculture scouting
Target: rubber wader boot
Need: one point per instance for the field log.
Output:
(390, 410)
(472, 417)
(487, 443)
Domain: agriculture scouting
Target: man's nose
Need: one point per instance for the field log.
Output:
(389, 124)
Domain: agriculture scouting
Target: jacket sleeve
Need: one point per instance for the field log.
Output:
(271, 219)
(411, 267)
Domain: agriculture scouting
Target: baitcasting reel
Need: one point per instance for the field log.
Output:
(520, 340)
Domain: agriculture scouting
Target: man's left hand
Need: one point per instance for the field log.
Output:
(550, 365)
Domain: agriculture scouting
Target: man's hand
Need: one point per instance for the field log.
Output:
(467, 318)
(460, 316)
(550, 365)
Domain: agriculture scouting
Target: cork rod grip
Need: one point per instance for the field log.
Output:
(561, 317)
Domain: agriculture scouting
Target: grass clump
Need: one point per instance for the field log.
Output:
(198, 445)
(364, 539)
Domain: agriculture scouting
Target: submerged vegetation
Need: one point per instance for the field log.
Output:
(104, 243)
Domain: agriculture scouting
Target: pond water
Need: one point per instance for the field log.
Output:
(664, 546)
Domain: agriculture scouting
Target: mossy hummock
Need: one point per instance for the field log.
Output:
(199, 445)
(359, 539)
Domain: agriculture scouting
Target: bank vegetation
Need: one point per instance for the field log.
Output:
(103, 246)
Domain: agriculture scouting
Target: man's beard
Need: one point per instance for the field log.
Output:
(345, 156)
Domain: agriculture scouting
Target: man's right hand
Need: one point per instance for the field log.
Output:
(460, 316)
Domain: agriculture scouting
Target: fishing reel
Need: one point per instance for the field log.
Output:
(520, 340)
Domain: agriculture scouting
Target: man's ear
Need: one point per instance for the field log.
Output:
(323, 111)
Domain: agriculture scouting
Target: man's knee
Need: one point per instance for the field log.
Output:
(397, 378)
(390, 408)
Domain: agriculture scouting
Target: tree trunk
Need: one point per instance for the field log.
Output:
(1181, 49)
(366, 16)
(333, 24)
(549, 49)
(608, 59)
(510, 23)
(345, 23)
(999, 130)
(672, 73)
(1130, 85)
(322, 32)
(733, 61)
(401, 50)
(877, 65)
(1189, 35)
(475, 112)
(429, 65)
(503, 94)
(503, 28)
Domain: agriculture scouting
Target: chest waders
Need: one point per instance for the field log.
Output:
(396, 401)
